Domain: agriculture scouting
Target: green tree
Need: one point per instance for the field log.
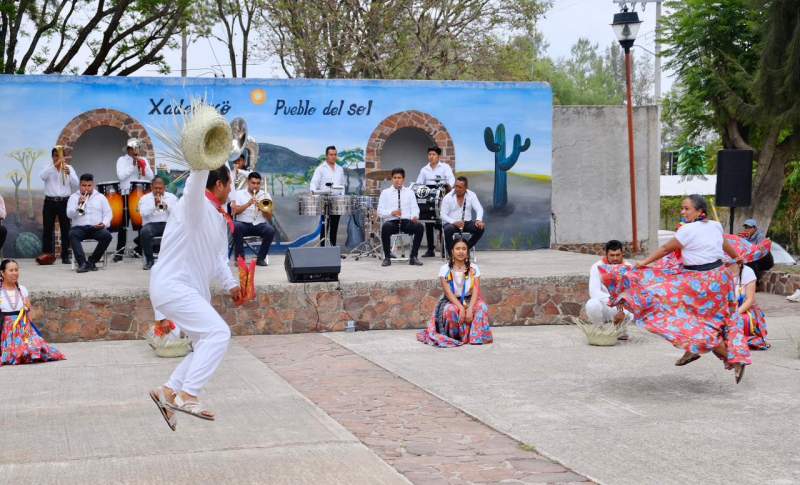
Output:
(738, 63)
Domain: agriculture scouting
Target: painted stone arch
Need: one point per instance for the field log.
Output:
(106, 117)
(407, 119)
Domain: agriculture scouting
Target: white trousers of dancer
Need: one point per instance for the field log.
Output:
(599, 312)
(209, 334)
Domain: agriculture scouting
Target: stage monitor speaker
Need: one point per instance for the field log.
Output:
(313, 264)
(734, 178)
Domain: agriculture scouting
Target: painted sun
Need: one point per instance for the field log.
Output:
(258, 96)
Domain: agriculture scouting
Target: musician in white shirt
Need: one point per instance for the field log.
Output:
(91, 216)
(130, 167)
(597, 309)
(250, 221)
(60, 181)
(154, 208)
(398, 208)
(326, 176)
(456, 212)
(434, 173)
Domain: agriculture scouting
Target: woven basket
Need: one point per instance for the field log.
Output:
(605, 335)
(174, 348)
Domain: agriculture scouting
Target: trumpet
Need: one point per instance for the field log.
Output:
(64, 167)
(81, 210)
(160, 205)
(263, 203)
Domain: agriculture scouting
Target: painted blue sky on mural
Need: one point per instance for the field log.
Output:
(35, 109)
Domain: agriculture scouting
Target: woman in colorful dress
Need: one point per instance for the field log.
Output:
(461, 316)
(689, 300)
(21, 342)
(755, 323)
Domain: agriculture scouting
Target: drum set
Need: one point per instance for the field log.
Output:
(326, 205)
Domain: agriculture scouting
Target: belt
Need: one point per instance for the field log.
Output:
(704, 267)
(56, 199)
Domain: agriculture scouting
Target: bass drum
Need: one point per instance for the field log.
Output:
(111, 191)
(138, 190)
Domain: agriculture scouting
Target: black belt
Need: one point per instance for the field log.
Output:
(56, 199)
(703, 267)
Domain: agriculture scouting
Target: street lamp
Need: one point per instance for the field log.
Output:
(626, 25)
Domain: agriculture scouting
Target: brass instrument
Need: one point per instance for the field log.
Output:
(240, 180)
(64, 167)
(263, 203)
(160, 205)
(81, 210)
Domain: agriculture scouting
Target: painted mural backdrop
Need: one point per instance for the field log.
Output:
(497, 134)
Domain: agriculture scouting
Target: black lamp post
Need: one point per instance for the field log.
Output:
(626, 25)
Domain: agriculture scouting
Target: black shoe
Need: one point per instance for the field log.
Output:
(117, 258)
(392, 256)
(386, 262)
(92, 266)
(147, 266)
(413, 261)
(261, 262)
(66, 260)
(84, 268)
(429, 254)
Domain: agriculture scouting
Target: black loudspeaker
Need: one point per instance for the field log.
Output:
(734, 178)
(313, 264)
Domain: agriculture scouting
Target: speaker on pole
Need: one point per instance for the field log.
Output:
(734, 180)
(305, 265)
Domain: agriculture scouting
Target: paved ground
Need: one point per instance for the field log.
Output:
(88, 420)
(423, 437)
(121, 278)
(625, 414)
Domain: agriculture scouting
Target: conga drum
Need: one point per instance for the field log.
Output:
(138, 190)
(111, 191)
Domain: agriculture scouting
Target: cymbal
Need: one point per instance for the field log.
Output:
(379, 175)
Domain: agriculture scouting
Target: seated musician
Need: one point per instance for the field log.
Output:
(154, 208)
(251, 220)
(398, 208)
(456, 210)
(90, 216)
(597, 309)
(130, 167)
(434, 173)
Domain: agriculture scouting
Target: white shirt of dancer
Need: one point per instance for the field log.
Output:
(452, 212)
(409, 209)
(428, 174)
(194, 248)
(96, 209)
(458, 278)
(54, 183)
(251, 214)
(701, 242)
(147, 207)
(6, 303)
(324, 174)
(127, 172)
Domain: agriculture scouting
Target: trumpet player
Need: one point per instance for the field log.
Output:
(130, 167)
(91, 215)
(60, 181)
(252, 211)
(155, 208)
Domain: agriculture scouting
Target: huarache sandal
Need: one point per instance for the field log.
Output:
(157, 395)
(193, 408)
(687, 358)
(738, 372)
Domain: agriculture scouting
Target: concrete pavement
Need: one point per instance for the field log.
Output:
(88, 420)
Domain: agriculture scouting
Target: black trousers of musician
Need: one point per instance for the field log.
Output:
(147, 234)
(78, 234)
(760, 265)
(429, 228)
(334, 228)
(470, 227)
(55, 207)
(244, 229)
(3, 234)
(406, 227)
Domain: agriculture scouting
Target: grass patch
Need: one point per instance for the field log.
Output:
(528, 448)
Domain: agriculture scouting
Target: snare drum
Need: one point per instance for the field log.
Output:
(111, 191)
(340, 205)
(138, 190)
(311, 205)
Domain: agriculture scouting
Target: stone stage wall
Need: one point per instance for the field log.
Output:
(318, 307)
(780, 281)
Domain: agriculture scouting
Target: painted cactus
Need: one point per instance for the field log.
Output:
(496, 142)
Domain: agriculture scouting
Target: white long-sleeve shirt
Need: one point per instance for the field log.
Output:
(54, 183)
(147, 207)
(2, 208)
(427, 175)
(127, 172)
(97, 210)
(452, 212)
(194, 248)
(409, 209)
(323, 174)
(597, 290)
(251, 214)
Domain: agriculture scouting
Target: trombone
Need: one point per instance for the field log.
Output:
(64, 167)
(263, 203)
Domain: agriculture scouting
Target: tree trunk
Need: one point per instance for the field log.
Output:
(767, 187)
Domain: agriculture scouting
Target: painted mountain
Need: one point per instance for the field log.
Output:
(278, 159)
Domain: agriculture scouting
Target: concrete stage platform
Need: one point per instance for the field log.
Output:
(521, 288)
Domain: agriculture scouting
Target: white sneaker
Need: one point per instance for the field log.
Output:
(794, 296)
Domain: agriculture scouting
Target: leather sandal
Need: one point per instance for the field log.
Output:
(158, 397)
(193, 408)
(738, 372)
(687, 359)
